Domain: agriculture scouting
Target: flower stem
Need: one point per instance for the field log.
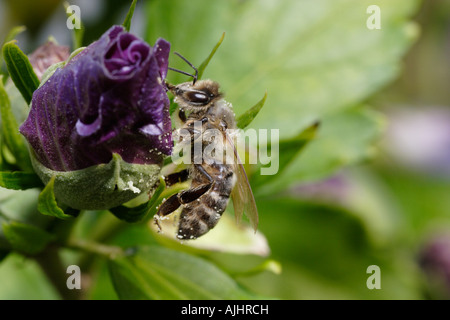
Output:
(109, 252)
(50, 262)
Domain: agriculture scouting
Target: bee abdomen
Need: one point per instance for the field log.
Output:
(199, 217)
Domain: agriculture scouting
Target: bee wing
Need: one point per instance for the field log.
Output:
(242, 195)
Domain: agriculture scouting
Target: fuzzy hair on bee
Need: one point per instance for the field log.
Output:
(215, 176)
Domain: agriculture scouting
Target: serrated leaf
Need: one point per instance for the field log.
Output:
(47, 204)
(19, 180)
(204, 64)
(10, 131)
(20, 70)
(127, 22)
(138, 213)
(157, 273)
(247, 117)
(26, 238)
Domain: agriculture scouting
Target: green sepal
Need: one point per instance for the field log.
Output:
(19, 180)
(127, 22)
(20, 70)
(205, 63)
(47, 204)
(26, 238)
(247, 117)
(10, 131)
(101, 186)
(138, 213)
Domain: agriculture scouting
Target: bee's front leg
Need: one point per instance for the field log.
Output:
(182, 115)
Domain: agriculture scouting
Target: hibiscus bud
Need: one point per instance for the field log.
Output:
(104, 110)
(46, 55)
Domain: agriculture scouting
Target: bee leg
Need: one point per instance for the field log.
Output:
(193, 194)
(182, 115)
(186, 196)
(169, 206)
(176, 177)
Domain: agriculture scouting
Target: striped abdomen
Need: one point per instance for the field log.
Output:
(201, 215)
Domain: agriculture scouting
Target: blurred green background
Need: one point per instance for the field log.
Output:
(372, 187)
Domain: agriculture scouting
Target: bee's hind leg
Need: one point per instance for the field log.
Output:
(176, 200)
(174, 178)
(183, 197)
(186, 196)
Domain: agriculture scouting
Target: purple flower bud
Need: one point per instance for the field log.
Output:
(108, 99)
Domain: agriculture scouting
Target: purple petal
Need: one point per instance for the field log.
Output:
(161, 52)
(103, 101)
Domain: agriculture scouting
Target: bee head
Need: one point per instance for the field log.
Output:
(196, 95)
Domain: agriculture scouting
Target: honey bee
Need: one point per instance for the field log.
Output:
(214, 177)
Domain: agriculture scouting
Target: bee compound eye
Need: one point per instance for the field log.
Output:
(197, 97)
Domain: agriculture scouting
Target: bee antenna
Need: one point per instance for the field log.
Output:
(182, 72)
(194, 76)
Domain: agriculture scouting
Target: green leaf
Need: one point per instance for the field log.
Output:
(285, 152)
(19, 180)
(157, 273)
(47, 204)
(328, 253)
(204, 64)
(343, 139)
(317, 57)
(247, 117)
(267, 265)
(20, 70)
(127, 23)
(227, 236)
(26, 238)
(10, 131)
(24, 279)
(11, 36)
(22, 206)
(138, 213)
(13, 33)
